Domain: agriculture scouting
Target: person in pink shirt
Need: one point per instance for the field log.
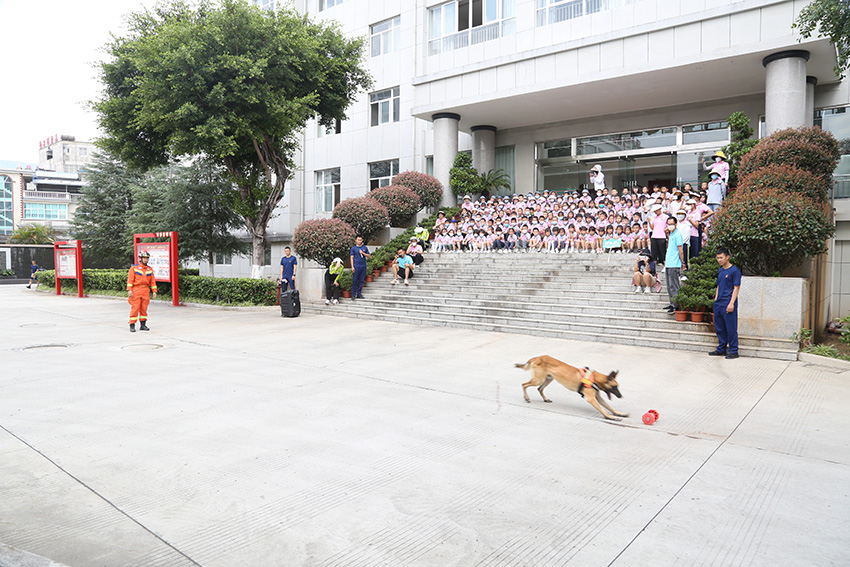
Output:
(658, 237)
(720, 166)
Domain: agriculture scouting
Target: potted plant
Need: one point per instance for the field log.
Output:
(682, 303)
(697, 309)
(345, 281)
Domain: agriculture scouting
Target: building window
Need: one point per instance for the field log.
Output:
(267, 255)
(457, 24)
(381, 173)
(708, 132)
(266, 4)
(656, 138)
(385, 106)
(325, 4)
(5, 204)
(429, 165)
(505, 161)
(386, 36)
(836, 121)
(223, 259)
(555, 149)
(553, 11)
(327, 190)
(322, 130)
(45, 211)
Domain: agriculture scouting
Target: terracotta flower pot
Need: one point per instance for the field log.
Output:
(346, 294)
(681, 315)
(376, 274)
(383, 268)
(368, 279)
(696, 316)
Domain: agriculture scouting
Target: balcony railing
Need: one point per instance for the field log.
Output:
(50, 195)
(841, 188)
(562, 11)
(478, 34)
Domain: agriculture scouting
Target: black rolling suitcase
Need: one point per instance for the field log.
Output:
(290, 303)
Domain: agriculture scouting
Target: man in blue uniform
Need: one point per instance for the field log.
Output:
(359, 254)
(726, 306)
(288, 266)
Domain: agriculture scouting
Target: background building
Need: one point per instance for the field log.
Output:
(544, 89)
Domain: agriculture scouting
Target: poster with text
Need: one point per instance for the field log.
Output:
(66, 263)
(159, 260)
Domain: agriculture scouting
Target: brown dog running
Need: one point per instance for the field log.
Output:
(544, 369)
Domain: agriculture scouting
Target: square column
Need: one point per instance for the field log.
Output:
(785, 90)
(445, 151)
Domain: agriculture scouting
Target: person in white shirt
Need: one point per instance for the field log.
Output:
(684, 228)
(597, 179)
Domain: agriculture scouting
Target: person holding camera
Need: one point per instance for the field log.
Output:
(643, 279)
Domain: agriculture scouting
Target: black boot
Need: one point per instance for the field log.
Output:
(144, 326)
(132, 327)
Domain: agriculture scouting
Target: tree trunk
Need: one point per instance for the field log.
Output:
(211, 261)
(258, 255)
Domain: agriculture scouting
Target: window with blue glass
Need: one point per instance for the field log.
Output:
(5, 204)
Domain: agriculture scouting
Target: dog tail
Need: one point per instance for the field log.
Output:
(523, 365)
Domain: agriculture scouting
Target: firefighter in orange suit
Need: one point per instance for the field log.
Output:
(140, 282)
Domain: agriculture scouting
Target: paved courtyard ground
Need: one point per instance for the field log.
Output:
(238, 438)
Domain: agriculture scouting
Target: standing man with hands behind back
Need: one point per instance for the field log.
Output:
(288, 267)
(726, 306)
(140, 282)
(359, 254)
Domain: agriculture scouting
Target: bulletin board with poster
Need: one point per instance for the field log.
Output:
(68, 259)
(163, 259)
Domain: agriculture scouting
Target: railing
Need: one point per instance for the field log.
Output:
(841, 188)
(478, 34)
(563, 11)
(49, 195)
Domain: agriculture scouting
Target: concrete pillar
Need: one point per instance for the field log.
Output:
(483, 148)
(785, 90)
(811, 82)
(445, 151)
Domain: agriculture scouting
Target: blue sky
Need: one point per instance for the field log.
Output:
(48, 51)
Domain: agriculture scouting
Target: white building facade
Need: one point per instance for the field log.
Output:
(544, 89)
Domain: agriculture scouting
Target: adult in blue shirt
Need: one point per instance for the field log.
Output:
(359, 254)
(673, 261)
(288, 266)
(403, 263)
(726, 306)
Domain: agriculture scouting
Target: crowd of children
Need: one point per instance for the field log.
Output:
(614, 221)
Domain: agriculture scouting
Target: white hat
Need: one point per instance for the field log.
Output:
(691, 201)
(650, 202)
(413, 238)
(336, 261)
(656, 207)
(596, 167)
(419, 229)
(467, 197)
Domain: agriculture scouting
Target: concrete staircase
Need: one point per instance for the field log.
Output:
(571, 296)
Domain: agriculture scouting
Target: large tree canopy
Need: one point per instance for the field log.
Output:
(831, 18)
(229, 81)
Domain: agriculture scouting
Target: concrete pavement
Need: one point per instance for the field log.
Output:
(237, 437)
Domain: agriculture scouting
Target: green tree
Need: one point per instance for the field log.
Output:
(742, 143)
(33, 234)
(494, 180)
(830, 18)
(100, 220)
(229, 81)
(463, 178)
(192, 201)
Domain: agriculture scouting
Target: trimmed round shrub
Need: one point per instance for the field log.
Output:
(401, 202)
(767, 230)
(366, 216)
(429, 189)
(812, 135)
(321, 240)
(788, 179)
(816, 157)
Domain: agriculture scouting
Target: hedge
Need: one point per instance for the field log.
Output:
(809, 150)
(401, 202)
(321, 240)
(366, 216)
(768, 231)
(788, 179)
(428, 187)
(220, 290)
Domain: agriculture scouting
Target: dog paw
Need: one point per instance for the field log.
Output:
(614, 418)
(623, 414)
(548, 401)
(527, 401)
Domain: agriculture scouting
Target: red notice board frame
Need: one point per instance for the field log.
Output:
(68, 248)
(173, 276)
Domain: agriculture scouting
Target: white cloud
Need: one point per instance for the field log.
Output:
(49, 48)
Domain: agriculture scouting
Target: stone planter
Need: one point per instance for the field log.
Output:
(773, 307)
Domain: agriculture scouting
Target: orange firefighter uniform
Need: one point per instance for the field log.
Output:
(140, 281)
